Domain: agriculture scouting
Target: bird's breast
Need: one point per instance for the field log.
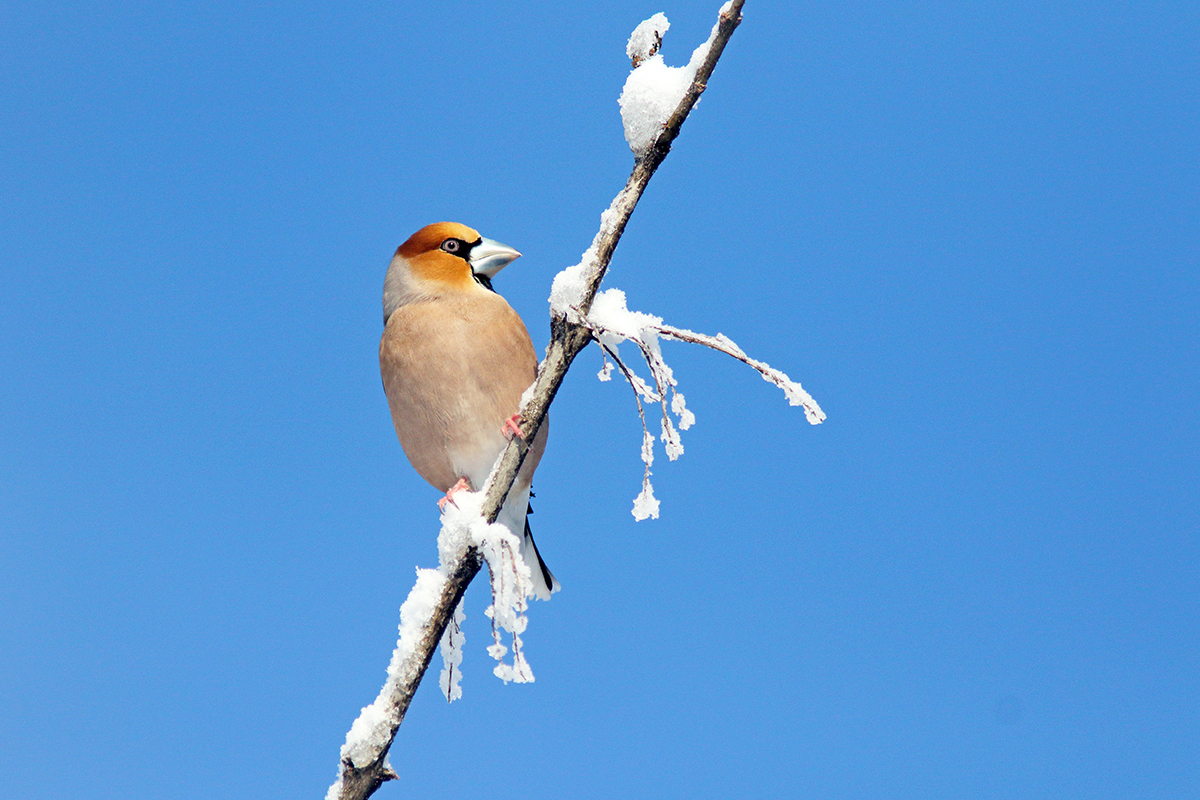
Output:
(454, 371)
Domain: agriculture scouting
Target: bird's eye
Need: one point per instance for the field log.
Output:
(451, 245)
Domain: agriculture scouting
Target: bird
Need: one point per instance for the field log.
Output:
(455, 359)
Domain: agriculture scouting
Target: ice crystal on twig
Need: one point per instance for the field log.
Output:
(611, 323)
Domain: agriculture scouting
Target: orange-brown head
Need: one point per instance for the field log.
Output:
(440, 258)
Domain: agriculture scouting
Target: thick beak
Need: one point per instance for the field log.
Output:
(489, 257)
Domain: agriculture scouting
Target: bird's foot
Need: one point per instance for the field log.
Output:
(461, 486)
(512, 427)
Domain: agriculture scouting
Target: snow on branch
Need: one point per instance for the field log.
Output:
(433, 605)
(612, 323)
(792, 390)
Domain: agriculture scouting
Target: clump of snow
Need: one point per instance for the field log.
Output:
(566, 293)
(652, 93)
(653, 90)
(647, 38)
(609, 310)
(686, 418)
(567, 289)
(605, 373)
(458, 517)
(645, 505)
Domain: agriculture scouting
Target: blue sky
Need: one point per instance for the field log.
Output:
(971, 230)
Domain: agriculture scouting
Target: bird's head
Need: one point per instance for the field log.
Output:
(440, 258)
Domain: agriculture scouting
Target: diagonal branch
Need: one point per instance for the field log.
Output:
(364, 762)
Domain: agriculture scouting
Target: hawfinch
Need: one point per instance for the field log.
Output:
(455, 359)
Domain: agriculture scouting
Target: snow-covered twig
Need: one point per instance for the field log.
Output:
(611, 323)
(363, 764)
(644, 505)
(794, 392)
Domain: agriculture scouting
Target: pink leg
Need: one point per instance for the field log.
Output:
(512, 427)
(462, 485)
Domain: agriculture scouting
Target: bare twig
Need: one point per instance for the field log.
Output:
(363, 773)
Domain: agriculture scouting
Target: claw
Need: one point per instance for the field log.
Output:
(512, 427)
(462, 485)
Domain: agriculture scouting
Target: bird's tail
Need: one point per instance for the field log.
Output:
(544, 582)
(515, 517)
